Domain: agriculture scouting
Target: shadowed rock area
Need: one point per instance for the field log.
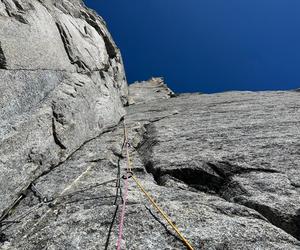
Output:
(2, 59)
(225, 167)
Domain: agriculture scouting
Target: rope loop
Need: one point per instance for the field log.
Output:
(128, 175)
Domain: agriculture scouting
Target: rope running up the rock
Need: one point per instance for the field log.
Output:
(122, 215)
(143, 190)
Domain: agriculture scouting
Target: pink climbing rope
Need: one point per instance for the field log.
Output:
(122, 216)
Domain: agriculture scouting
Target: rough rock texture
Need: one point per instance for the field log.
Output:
(236, 156)
(225, 166)
(62, 83)
(153, 89)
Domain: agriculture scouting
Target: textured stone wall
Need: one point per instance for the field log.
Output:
(62, 83)
(225, 167)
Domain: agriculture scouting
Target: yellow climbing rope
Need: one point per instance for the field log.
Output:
(143, 190)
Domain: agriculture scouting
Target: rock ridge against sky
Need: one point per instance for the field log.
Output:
(224, 166)
(208, 46)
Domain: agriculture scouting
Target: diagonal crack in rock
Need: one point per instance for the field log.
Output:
(215, 178)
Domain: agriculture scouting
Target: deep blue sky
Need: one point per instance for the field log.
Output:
(208, 45)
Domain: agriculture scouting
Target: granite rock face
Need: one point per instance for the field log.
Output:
(225, 167)
(62, 83)
(233, 160)
(153, 89)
